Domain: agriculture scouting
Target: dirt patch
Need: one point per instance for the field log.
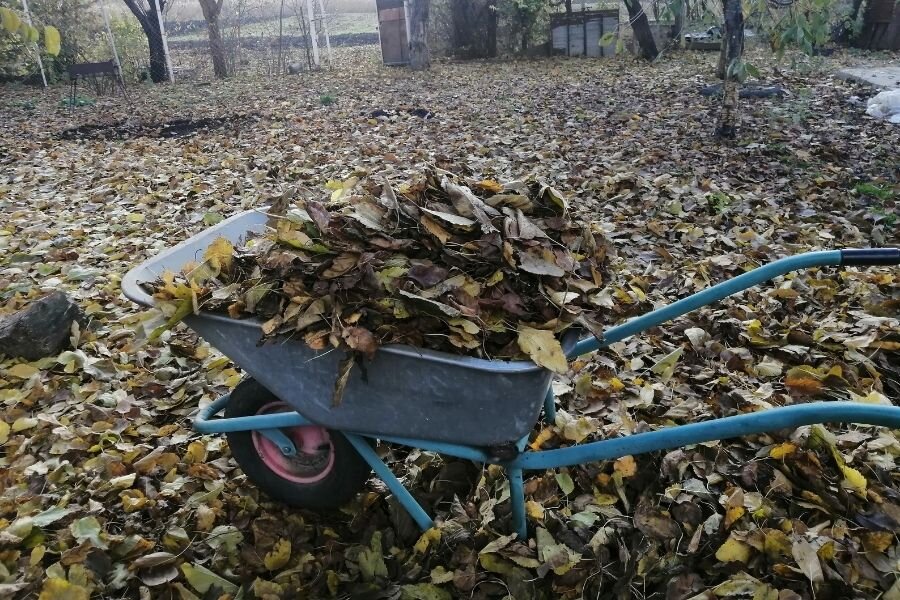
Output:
(176, 128)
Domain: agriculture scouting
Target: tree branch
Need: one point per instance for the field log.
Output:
(137, 9)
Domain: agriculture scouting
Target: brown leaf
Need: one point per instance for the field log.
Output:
(340, 384)
(361, 340)
(654, 523)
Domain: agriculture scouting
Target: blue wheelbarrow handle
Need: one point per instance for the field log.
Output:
(784, 417)
(851, 257)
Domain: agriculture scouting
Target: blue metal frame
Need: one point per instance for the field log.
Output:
(708, 296)
(672, 437)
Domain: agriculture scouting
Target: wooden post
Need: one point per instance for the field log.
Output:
(602, 33)
(313, 34)
(584, 30)
(378, 27)
(417, 35)
(37, 49)
(112, 40)
(325, 31)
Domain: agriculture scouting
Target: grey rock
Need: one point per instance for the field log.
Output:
(41, 329)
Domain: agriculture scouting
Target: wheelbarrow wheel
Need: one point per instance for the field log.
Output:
(326, 472)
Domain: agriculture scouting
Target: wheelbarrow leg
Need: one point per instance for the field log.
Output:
(517, 489)
(406, 499)
(517, 498)
(550, 407)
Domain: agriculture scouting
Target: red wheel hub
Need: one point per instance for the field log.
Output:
(315, 451)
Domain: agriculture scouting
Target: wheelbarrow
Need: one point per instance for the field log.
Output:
(299, 449)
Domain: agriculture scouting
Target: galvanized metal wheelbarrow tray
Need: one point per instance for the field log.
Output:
(461, 406)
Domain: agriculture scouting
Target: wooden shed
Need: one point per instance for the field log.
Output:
(579, 33)
(393, 23)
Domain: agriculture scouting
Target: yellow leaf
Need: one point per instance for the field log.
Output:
(133, 500)
(872, 397)
(11, 20)
(542, 437)
(22, 371)
(782, 450)
(435, 229)
(60, 589)
(733, 551)
(733, 514)
(183, 309)
(489, 185)
(605, 499)
(827, 550)
(340, 188)
(333, 582)
(494, 279)
(626, 466)
(196, 452)
(534, 510)
(23, 423)
(776, 544)
(279, 555)
(51, 40)
(29, 33)
(854, 480)
(201, 579)
(206, 517)
(616, 384)
(665, 367)
(135, 217)
(543, 348)
(876, 541)
(4, 432)
(431, 536)
(893, 593)
(220, 254)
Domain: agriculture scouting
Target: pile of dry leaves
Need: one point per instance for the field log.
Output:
(498, 272)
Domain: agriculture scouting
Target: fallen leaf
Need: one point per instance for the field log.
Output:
(543, 348)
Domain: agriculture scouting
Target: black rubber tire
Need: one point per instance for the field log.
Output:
(347, 477)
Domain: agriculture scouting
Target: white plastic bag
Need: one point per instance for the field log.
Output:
(885, 105)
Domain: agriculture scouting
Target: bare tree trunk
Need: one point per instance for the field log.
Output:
(493, 18)
(280, 68)
(217, 49)
(733, 42)
(304, 31)
(678, 8)
(641, 27)
(419, 58)
(149, 21)
(159, 72)
(211, 11)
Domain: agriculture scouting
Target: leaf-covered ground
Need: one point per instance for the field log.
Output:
(105, 491)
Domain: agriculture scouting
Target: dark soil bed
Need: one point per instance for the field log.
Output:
(170, 129)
